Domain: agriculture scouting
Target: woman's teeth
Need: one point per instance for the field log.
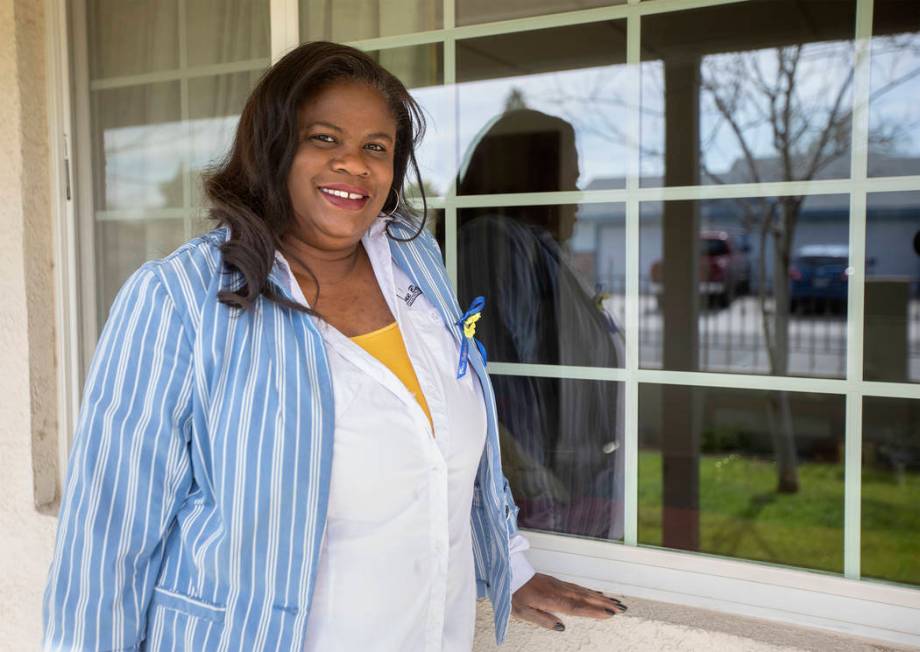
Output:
(341, 193)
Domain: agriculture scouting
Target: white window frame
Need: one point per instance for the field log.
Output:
(845, 604)
(65, 240)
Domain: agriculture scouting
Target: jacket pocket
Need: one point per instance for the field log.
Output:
(186, 604)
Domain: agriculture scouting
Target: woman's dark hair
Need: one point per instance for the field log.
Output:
(248, 190)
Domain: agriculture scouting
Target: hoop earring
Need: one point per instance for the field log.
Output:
(395, 206)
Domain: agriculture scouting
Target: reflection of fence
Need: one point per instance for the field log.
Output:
(732, 338)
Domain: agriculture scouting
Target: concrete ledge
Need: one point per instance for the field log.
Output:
(651, 626)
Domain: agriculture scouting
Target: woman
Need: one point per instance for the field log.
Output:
(275, 451)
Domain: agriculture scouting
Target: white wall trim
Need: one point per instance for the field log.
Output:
(65, 240)
(82, 184)
(284, 26)
(864, 608)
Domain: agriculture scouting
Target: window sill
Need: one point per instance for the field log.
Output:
(650, 626)
(867, 609)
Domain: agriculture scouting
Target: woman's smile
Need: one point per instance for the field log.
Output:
(344, 196)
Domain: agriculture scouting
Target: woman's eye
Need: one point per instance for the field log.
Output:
(324, 138)
(375, 147)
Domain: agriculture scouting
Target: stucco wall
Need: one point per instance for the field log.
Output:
(27, 392)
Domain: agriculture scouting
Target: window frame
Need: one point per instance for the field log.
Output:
(870, 608)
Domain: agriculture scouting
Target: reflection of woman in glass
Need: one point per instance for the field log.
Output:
(275, 451)
(562, 439)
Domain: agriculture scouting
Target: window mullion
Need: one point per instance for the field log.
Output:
(450, 205)
(856, 285)
(284, 22)
(631, 393)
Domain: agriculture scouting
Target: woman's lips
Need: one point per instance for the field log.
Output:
(344, 202)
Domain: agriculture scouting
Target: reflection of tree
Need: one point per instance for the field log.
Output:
(798, 99)
(895, 64)
(783, 114)
(596, 104)
(412, 189)
(515, 99)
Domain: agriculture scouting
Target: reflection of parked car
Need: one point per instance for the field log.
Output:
(818, 278)
(725, 271)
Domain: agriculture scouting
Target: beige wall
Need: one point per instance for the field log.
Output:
(27, 390)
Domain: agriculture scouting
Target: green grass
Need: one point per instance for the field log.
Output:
(742, 515)
(891, 526)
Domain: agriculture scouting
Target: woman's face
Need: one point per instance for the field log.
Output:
(343, 168)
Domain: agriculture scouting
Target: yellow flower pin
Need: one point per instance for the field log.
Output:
(469, 326)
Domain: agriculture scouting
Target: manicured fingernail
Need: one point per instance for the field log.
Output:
(559, 627)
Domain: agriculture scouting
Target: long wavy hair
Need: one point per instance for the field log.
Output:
(248, 190)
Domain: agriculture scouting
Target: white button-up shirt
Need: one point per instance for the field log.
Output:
(396, 569)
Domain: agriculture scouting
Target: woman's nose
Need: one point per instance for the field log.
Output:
(350, 162)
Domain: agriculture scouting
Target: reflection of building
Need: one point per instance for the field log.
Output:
(893, 219)
(733, 339)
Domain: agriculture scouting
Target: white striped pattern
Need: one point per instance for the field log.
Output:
(196, 494)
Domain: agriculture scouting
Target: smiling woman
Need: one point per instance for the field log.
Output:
(275, 450)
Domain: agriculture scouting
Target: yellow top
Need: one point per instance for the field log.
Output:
(386, 344)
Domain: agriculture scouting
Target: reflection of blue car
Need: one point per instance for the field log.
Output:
(818, 278)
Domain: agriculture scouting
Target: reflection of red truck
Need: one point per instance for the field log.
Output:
(724, 271)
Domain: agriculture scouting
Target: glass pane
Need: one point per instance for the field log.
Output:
(137, 147)
(894, 115)
(128, 244)
(470, 12)
(892, 310)
(743, 473)
(556, 97)
(146, 154)
(748, 91)
(131, 37)
(562, 451)
(219, 31)
(553, 279)
(215, 104)
(421, 69)
(353, 20)
(752, 285)
(890, 485)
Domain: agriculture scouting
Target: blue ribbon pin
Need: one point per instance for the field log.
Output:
(467, 325)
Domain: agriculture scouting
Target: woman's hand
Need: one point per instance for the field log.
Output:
(543, 595)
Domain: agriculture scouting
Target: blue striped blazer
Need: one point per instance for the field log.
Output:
(195, 500)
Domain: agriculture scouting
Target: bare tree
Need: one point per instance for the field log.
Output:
(750, 96)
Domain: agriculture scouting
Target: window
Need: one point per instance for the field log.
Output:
(697, 226)
(165, 83)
